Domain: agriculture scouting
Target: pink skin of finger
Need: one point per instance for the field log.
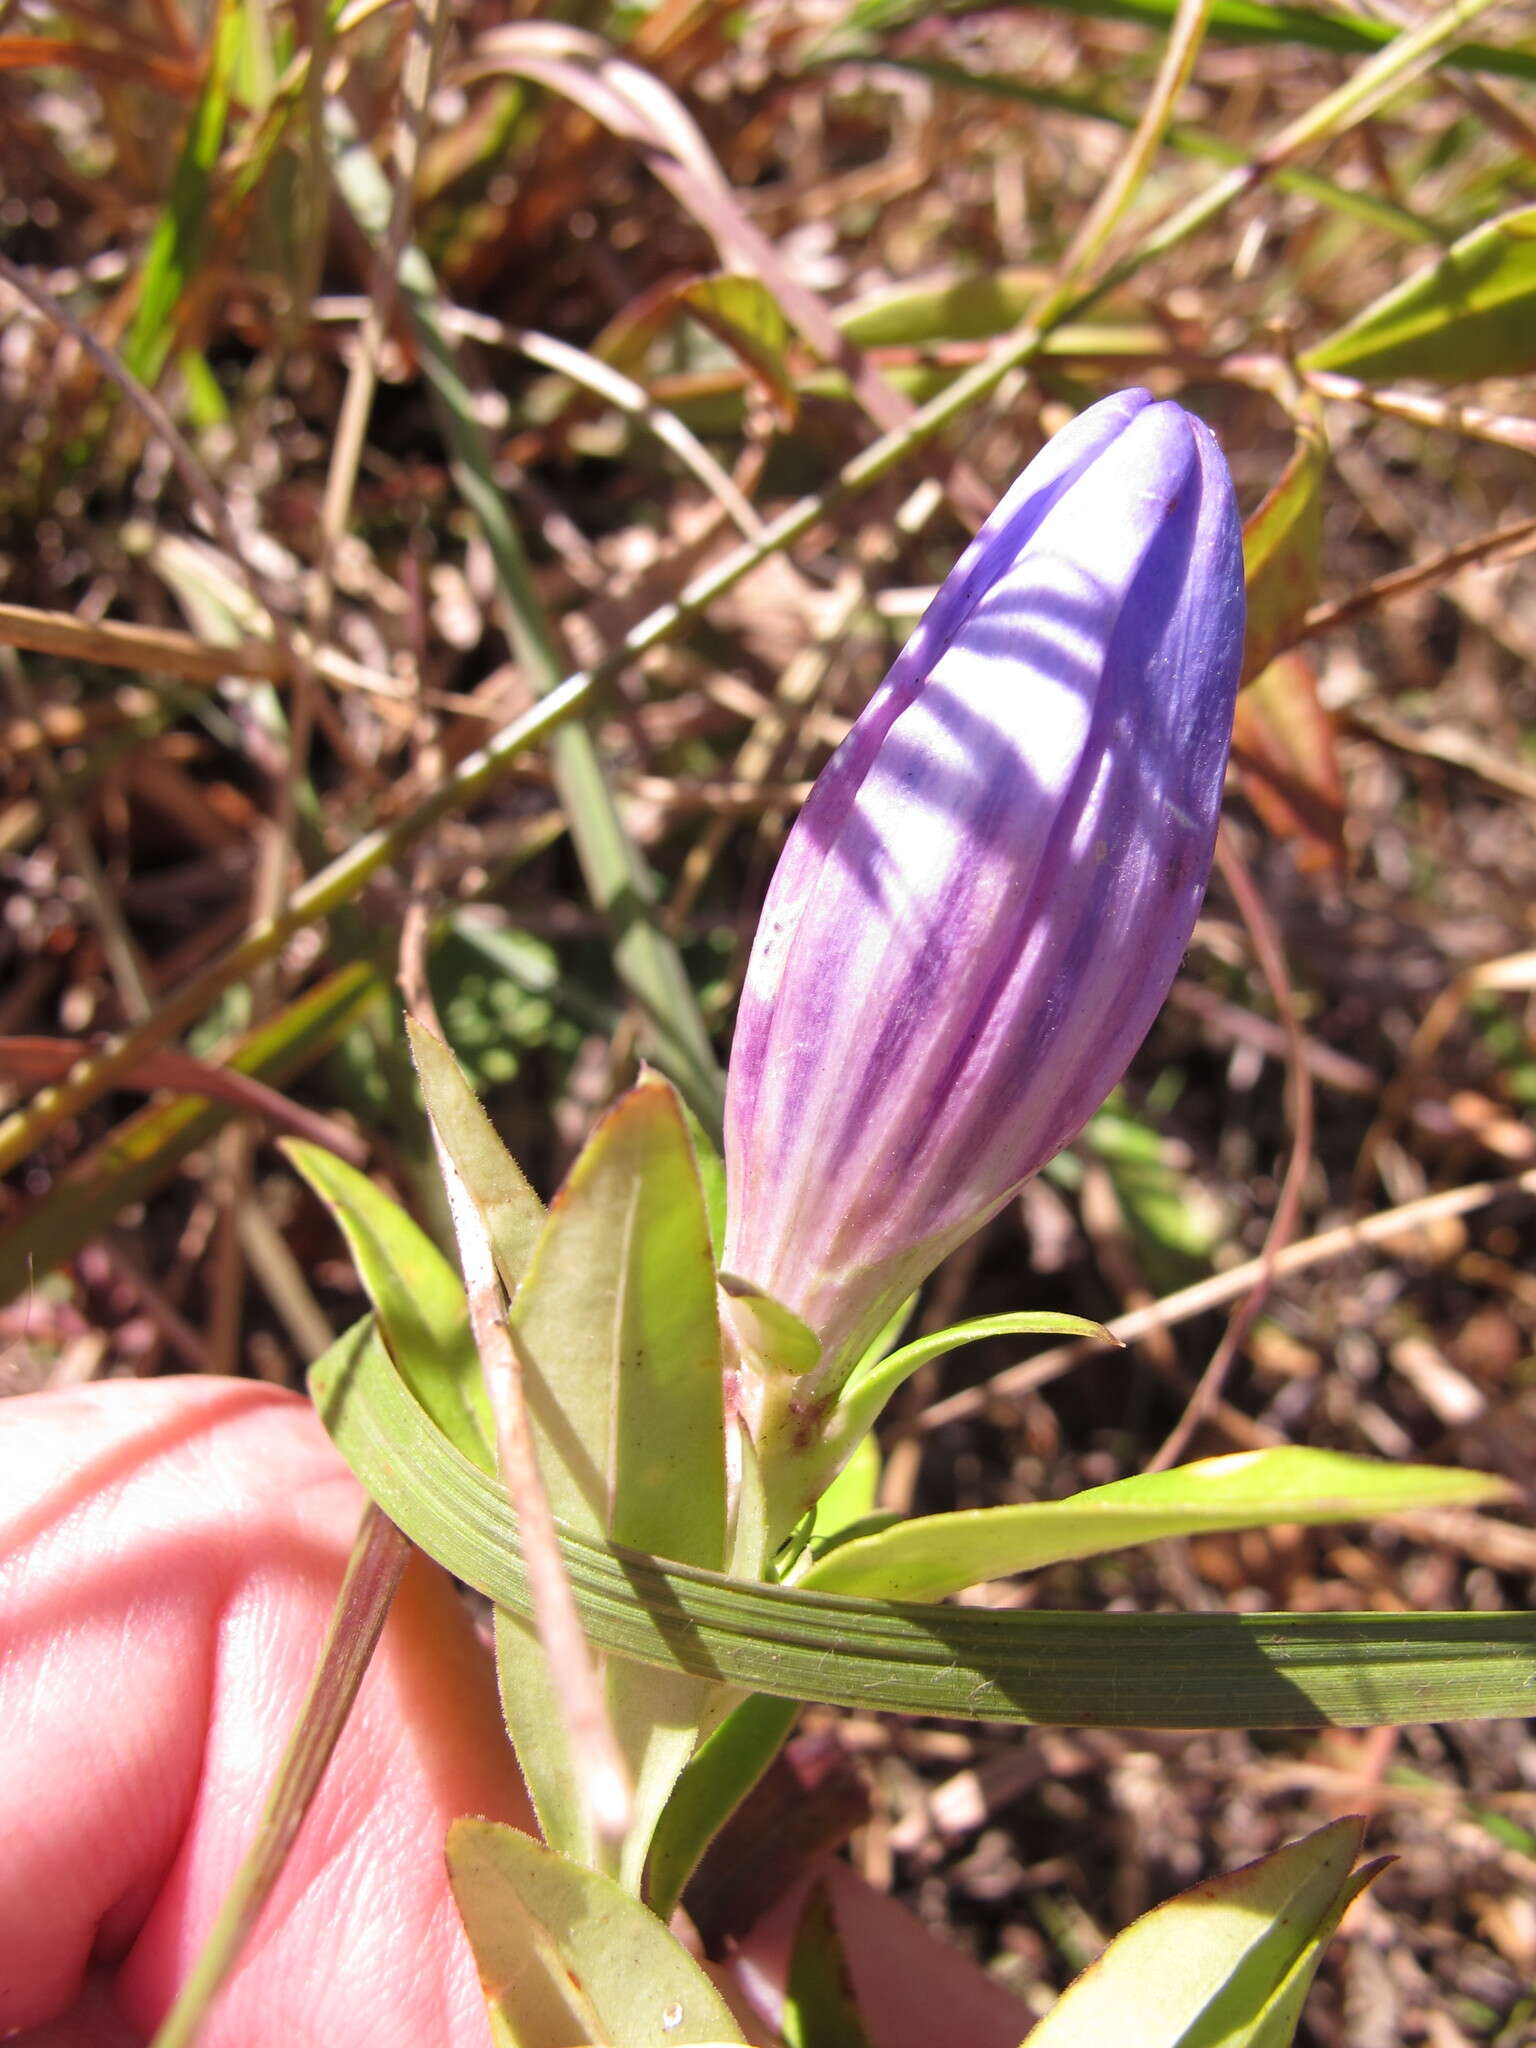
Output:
(169, 1556)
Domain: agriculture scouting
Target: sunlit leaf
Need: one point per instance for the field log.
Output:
(983, 303)
(512, 1213)
(1283, 545)
(743, 314)
(1221, 1966)
(618, 1329)
(1285, 754)
(1471, 314)
(1273, 2024)
(416, 1295)
(711, 1171)
(566, 1957)
(939, 1554)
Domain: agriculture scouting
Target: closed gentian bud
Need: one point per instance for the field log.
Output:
(986, 897)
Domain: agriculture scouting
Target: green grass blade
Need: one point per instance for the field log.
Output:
(1187, 141)
(1243, 22)
(620, 882)
(176, 244)
(1470, 315)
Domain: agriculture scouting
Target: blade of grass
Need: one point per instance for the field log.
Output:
(176, 243)
(1244, 22)
(1188, 141)
(1190, 21)
(374, 1570)
(620, 883)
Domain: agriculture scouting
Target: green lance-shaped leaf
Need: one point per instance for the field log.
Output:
(617, 1327)
(512, 1213)
(1224, 1965)
(565, 1956)
(939, 1554)
(416, 1295)
(1273, 2023)
(1470, 314)
(878, 1376)
(1101, 1670)
(743, 314)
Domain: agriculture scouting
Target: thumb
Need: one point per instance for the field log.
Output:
(169, 1555)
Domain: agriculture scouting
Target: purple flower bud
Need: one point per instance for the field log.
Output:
(985, 900)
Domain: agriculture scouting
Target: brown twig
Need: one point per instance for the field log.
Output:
(115, 643)
(39, 1061)
(1018, 1380)
(1485, 551)
(1271, 957)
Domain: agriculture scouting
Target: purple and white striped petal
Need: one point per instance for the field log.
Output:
(983, 904)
